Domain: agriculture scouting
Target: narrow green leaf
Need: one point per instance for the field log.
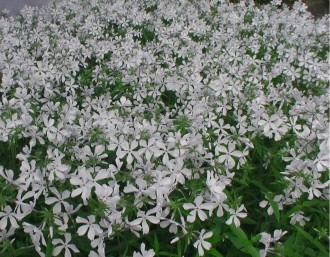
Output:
(215, 253)
(310, 252)
(179, 247)
(156, 244)
(241, 242)
(237, 231)
(22, 252)
(258, 184)
(49, 248)
(6, 254)
(276, 210)
(297, 241)
(163, 253)
(313, 241)
(316, 202)
(249, 221)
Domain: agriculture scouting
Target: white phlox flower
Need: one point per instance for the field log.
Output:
(267, 240)
(298, 217)
(201, 244)
(61, 245)
(235, 214)
(198, 209)
(144, 252)
(89, 226)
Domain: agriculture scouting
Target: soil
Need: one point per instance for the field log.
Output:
(318, 7)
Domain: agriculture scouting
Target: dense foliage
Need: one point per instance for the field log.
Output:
(164, 128)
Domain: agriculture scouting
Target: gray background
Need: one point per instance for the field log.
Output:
(317, 7)
(14, 6)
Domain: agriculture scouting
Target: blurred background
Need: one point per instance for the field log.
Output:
(14, 6)
(317, 7)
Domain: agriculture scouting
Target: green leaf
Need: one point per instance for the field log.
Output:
(297, 241)
(24, 251)
(258, 184)
(163, 253)
(310, 252)
(156, 243)
(49, 247)
(249, 221)
(179, 247)
(315, 202)
(215, 253)
(6, 254)
(313, 241)
(241, 241)
(276, 210)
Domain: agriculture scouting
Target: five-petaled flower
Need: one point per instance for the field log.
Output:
(6, 215)
(89, 226)
(198, 209)
(234, 215)
(201, 244)
(64, 245)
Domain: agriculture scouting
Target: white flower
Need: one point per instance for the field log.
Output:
(36, 235)
(8, 215)
(165, 150)
(201, 244)
(144, 252)
(218, 201)
(314, 189)
(98, 152)
(127, 150)
(55, 166)
(143, 218)
(59, 200)
(198, 209)
(23, 208)
(299, 187)
(265, 203)
(266, 239)
(8, 175)
(214, 183)
(147, 147)
(56, 134)
(173, 226)
(273, 125)
(227, 157)
(61, 245)
(276, 2)
(71, 86)
(61, 220)
(6, 234)
(278, 233)
(298, 217)
(86, 182)
(30, 174)
(135, 228)
(234, 215)
(178, 171)
(124, 102)
(142, 189)
(92, 228)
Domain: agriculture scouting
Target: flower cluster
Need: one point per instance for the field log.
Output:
(149, 119)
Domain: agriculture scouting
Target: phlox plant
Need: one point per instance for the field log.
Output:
(164, 128)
